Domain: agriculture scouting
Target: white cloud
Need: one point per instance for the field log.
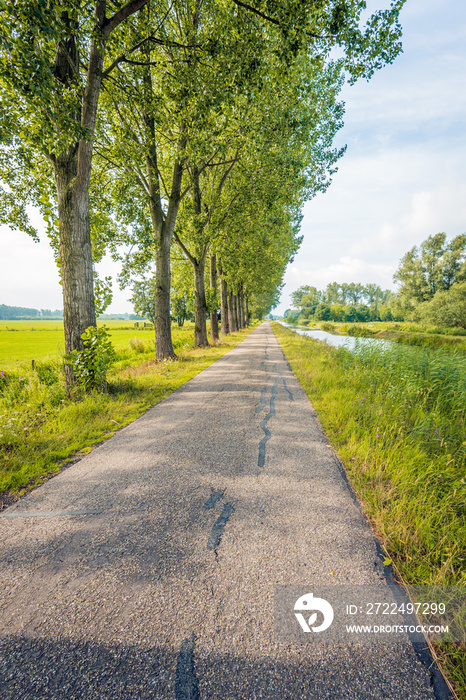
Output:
(345, 269)
(29, 273)
(29, 276)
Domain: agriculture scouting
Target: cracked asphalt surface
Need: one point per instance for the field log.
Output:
(147, 570)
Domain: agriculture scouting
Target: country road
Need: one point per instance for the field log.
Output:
(149, 568)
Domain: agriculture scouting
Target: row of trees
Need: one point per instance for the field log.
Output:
(19, 312)
(341, 302)
(196, 123)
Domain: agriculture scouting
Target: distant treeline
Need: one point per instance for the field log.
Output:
(341, 302)
(18, 313)
(22, 313)
(121, 317)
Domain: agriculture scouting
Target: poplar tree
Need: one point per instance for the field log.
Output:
(52, 63)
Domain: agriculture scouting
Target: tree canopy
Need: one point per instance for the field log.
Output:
(433, 266)
(208, 123)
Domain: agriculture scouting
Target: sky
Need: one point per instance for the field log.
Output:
(403, 176)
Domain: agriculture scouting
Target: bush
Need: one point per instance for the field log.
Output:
(89, 366)
(322, 312)
(47, 373)
(360, 332)
(447, 308)
(363, 313)
(385, 313)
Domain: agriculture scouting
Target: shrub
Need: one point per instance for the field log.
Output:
(89, 366)
(360, 332)
(322, 312)
(447, 308)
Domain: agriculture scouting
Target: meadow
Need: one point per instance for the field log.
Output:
(24, 341)
(396, 415)
(42, 428)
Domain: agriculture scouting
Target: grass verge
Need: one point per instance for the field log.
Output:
(397, 417)
(42, 429)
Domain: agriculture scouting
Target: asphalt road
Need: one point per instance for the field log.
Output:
(148, 569)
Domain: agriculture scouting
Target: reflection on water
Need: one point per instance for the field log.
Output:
(337, 341)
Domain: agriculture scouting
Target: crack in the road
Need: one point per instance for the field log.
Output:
(263, 425)
(262, 401)
(285, 387)
(213, 498)
(219, 526)
(186, 684)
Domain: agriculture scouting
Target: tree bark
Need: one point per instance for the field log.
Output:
(163, 331)
(241, 304)
(238, 311)
(198, 263)
(246, 304)
(75, 252)
(163, 236)
(72, 170)
(200, 304)
(213, 313)
(224, 306)
(232, 323)
(163, 226)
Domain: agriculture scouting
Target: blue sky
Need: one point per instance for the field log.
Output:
(402, 178)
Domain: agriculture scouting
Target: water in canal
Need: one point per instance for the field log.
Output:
(338, 341)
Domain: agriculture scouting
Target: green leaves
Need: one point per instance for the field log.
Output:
(432, 267)
(89, 366)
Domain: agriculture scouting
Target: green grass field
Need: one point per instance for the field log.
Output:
(23, 341)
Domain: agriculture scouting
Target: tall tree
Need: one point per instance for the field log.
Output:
(51, 69)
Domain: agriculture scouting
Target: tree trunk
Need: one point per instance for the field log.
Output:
(72, 169)
(246, 303)
(238, 311)
(213, 313)
(75, 251)
(163, 331)
(200, 304)
(232, 313)
(162, 231)
(241, 303)
(224, 306)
